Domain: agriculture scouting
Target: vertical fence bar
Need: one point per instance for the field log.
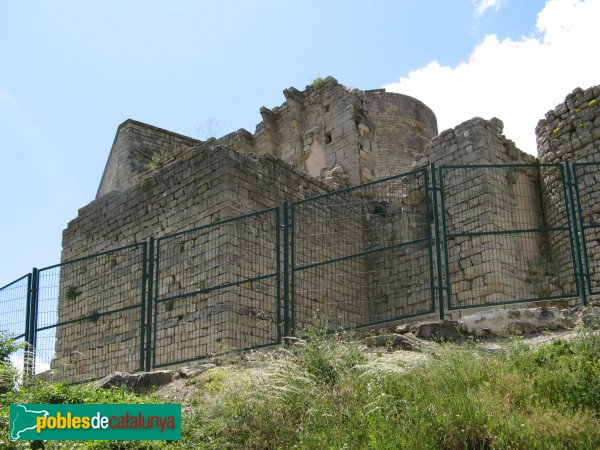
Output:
(579, 217)
(149, 304)
(428, 215)
(573, 230)
(143, 303)
(292, 236)
(31, 337)
(28, 350)
(578, 232)
(286, 271)
(278, 277)
(438, 249)
(445, 238)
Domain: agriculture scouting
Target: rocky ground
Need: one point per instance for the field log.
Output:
(390, 348)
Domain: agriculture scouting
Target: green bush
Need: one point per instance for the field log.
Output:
(326, 358)
(317, 83)
(7, 346)
(568, 373)
(8, 374)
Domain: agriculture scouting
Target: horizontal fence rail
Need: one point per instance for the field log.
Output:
(89, 315)
(14, 318)
(500, 248)
(586, 180)
(217, 289)
(425, 242)
(363, 255)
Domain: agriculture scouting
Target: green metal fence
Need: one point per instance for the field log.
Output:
(586, 180)
(499, 248)
(217, 289)
(363, 255)
(434, 239)
(89, 314)
(14, 317)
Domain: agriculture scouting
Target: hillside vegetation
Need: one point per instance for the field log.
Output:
(326, 392)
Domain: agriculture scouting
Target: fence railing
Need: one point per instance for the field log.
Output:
(586, 182)
(499, 246)
(15, 319)
(89, 315)
(363, 255)
(217, 288)
(433, 240)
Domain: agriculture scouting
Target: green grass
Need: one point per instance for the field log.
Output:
(461, 397)
(326, 394)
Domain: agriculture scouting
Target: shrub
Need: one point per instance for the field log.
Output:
(8, 374)
(317, 83)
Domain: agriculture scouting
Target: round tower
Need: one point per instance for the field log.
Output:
(571, 132)
(403, 126)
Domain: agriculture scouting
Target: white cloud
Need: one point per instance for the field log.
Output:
(517, 81)
(482, 6)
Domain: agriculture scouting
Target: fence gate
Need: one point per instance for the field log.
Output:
(363, 255)
(216, 289)
(500, 246)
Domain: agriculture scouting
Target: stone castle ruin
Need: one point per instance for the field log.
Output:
(362, 253)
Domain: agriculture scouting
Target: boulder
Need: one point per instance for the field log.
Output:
(140, 383)
(525, 321)
(194, 371)
(406, 341)
(440, 330)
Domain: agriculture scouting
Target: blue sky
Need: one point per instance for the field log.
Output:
(72, 71)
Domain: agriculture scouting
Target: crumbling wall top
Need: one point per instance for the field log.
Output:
(134, 147)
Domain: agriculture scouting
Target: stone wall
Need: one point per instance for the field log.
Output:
(90, 339)
(402, 126)
(368, 134)
(361, 255)
(136, 146)
(186, 194)
(571, 132)
(488, 266)
(325, 229)
(195, 188)
(399, 219)
(362, 134)
(201, 186)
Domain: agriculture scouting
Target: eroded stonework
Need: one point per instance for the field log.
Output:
(363, 134)
(324, 138)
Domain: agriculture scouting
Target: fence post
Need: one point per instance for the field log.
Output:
(438, 248)
(278, 277)
(26, 362)
(573, 230)
(149, 297)
(143, 301)
(286, 272)
(585, 275)
(31, 325)
(430, 234)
